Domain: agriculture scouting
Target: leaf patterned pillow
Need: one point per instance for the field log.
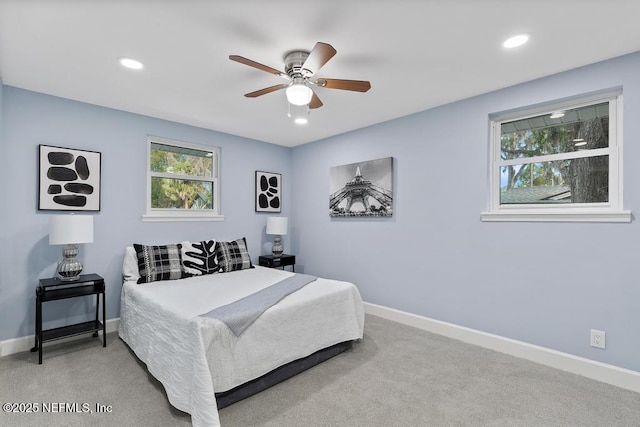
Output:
(199, 258)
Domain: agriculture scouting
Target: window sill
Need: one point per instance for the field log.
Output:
(181, 217)
(549, 215)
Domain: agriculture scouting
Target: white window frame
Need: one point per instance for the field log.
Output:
(611, 211)
(161, 215)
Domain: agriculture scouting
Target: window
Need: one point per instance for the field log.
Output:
(558, 162)
(183, 181)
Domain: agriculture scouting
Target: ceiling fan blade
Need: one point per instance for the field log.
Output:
(354, 85)
(265, 91)
(315, 102)
(254, 64)
(319, 55)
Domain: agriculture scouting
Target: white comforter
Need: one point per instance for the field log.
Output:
(195, 357)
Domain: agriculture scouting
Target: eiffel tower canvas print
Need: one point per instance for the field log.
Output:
(363, 189)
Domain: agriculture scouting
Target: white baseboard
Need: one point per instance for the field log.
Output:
(17, 345)
(610, 374)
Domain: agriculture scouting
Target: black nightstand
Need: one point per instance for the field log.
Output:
(55, 289)
(278, 261)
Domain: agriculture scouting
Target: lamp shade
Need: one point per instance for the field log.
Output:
(70, 229)
(277, 225)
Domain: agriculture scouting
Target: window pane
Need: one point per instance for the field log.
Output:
(581, 128)
(584, 180)
(181, 161)
(181, 194)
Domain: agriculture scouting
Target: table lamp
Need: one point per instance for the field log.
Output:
(69, 230)
(277, 226)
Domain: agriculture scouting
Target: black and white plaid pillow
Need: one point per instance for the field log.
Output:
(233, 256)
(199, 258)
(159, 262)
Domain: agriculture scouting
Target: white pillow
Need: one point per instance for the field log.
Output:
(130, 265)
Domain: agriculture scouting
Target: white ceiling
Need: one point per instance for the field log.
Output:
(416, 54)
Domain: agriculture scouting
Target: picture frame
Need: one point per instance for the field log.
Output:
(362, 189)
(68, 179)
(268, 192)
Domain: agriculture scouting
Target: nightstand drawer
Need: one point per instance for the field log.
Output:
(277, 261)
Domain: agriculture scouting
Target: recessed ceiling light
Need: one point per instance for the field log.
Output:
(515, 41)
(556, 114)
(131, 63)
(301, 121)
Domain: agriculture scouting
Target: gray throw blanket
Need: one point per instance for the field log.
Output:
(239, 315)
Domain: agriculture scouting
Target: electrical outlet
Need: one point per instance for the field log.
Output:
(597, 339)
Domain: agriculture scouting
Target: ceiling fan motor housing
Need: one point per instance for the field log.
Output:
(293, 62)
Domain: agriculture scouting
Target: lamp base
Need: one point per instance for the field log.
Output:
(69, 268)
(277, 248)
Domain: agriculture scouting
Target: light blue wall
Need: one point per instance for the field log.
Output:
(543, 283)
(30, 119)
(4, 204)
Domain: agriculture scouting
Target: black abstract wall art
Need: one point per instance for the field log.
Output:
(268, 192)
(69, 179)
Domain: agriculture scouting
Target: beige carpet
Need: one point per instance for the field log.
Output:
(396, 376)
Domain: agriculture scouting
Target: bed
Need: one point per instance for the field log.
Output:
(201, 363)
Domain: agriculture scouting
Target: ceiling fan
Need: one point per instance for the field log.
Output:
(299, 68)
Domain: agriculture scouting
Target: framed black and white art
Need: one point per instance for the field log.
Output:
(268, 192)
(363, 189)
(69, 179)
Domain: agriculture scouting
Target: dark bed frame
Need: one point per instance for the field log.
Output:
(280, 374)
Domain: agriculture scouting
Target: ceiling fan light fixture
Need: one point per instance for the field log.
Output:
(299, 94)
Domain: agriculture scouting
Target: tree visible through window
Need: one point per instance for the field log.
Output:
(558, 161)
(563, 138)
(182, 178)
